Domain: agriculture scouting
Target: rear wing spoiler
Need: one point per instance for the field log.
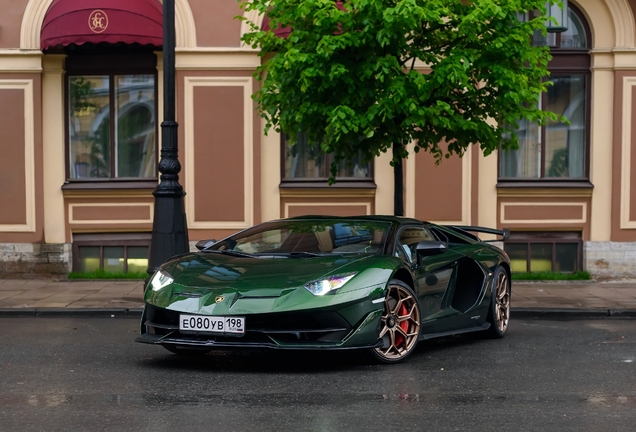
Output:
(467, 229)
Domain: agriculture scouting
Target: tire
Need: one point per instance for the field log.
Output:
(186, 352)
(499, 309)
(401, 323)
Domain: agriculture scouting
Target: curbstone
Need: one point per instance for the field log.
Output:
(570, 313)
(622, 313)
(17, 312)
(76, 312)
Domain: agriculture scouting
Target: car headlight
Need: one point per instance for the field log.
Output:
(328, 285)
(160, 280)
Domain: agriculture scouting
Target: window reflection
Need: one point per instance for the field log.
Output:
(574, 36)
(89, 126)
(304, 160)
(135, 125)
(565, 144)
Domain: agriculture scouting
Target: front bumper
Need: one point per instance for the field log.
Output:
(350, 326)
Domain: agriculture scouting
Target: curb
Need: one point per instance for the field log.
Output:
(72, 312)
(570, 313)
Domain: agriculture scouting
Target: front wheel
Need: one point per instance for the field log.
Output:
(499, 311)
(400, 329)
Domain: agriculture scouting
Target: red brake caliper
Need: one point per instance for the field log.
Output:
(404, 325)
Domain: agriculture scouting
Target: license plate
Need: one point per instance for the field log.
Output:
(212, 324)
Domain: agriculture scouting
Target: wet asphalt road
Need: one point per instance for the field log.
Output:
(88, 375)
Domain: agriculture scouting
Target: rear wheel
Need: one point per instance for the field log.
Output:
(499, 311)
(400, 329)
(176, 349)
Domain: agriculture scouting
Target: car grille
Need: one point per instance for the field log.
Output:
(288, 327)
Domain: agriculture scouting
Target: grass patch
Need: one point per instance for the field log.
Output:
(101, 274)
(582, 275)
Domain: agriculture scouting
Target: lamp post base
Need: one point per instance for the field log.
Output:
(170, 232)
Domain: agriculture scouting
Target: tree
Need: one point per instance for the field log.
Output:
(346, 75)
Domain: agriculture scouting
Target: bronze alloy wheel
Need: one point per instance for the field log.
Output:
(400, 324)
(502, 302)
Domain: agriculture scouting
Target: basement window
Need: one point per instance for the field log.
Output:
(112, 253)
(545, 251)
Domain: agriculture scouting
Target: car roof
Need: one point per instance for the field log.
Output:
(377, 218)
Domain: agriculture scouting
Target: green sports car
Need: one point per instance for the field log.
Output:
(380, 283)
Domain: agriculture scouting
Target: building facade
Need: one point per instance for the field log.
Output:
(80, 110)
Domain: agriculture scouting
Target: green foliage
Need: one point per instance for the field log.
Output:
(348, 76)
(101, 274)
(582, 275)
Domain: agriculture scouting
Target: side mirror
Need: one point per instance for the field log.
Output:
(429, 248)
(204, 244)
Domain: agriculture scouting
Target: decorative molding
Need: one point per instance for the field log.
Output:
(185, 27)
(35, 12)
(623, 22)
(15, 61)
(544, 193)
(72, 220)
(629, 82)
(29, 153)
(219, 60)
(248, 150)
(109, 193)
(366, 205)
(254, 17)
(503, 220)
(321, 193)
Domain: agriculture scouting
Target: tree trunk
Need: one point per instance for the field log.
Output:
(398, 182)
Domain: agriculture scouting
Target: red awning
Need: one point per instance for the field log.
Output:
(112, 21)
(280, 32)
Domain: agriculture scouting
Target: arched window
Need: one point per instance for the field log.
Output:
(557, 151)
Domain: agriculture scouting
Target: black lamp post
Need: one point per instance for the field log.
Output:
(169, 228)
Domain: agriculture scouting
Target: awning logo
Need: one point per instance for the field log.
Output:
(98, 21)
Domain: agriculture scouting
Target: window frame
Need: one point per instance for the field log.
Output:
(110, 64)
(564, 62)
(317, 182)
(398, 245)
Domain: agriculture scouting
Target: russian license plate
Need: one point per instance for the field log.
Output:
(212, 324)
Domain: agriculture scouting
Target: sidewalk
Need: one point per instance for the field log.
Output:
(45, 297)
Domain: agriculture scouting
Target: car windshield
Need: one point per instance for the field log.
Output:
(309, 237)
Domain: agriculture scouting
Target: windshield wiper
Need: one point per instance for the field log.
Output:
(229, 252)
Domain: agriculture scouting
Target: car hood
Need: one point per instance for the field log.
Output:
(264, 276)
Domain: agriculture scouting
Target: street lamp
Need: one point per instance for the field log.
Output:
(561, 16)
(169, 227)
(559, 13)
